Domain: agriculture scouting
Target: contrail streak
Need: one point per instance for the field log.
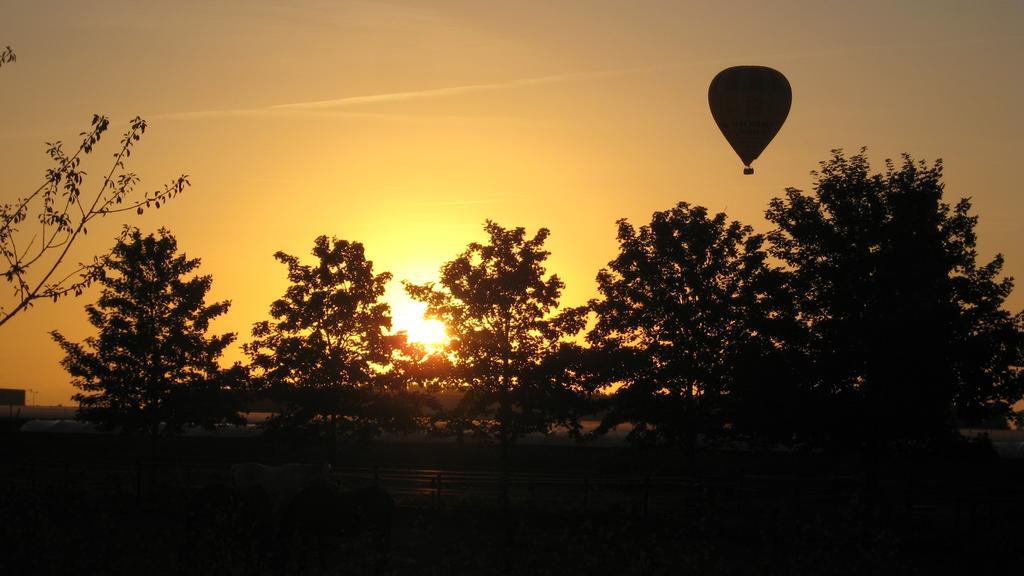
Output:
(439, 92)
(330, 106)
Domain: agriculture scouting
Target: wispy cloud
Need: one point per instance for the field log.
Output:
(340, 106)
(439, 92)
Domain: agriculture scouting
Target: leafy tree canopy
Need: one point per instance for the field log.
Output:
(909, 331)
(499, 305)
(323, 354)
(687, 308)
(151, 361)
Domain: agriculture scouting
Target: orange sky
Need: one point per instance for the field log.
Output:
(404, 125)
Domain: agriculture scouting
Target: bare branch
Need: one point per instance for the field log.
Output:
(7, 56)
(62, 226)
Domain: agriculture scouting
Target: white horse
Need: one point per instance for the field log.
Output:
(277, 483)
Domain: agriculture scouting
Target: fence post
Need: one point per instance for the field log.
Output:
(647, 494)
(740, 487)
(138, 484)
(436, 481)
(908, 494)
(503, 489)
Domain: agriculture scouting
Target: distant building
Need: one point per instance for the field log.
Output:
(12, 397)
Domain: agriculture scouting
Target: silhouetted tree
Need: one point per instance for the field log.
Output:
(505, 342)
(416, 376)
(694, 316)
(908, 330)
(151, 361)
(323, 355)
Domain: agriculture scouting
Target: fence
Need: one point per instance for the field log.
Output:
(643, 495)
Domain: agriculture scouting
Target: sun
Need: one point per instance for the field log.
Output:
(407, 316)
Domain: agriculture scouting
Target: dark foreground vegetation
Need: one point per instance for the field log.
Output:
(85, 506)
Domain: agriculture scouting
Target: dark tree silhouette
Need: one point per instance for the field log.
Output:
(694, 315)
(322, 357)
(908, 331)
(151, 361)
(506, 343)
(415, 377)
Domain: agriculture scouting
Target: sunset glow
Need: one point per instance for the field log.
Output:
(511, 286)
(408, 317)
(405, 125)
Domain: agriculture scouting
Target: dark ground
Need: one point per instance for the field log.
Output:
(92, 505)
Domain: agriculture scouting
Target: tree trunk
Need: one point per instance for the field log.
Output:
(875, 445)
(332, 441)
(154, 441)
(504, 448)
(154, 429)
(690, 439)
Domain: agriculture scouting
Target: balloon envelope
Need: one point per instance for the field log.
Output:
(749, 104)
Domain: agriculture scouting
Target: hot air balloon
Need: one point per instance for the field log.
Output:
(749, 104)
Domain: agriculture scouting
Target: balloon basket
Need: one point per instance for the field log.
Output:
(748, 171)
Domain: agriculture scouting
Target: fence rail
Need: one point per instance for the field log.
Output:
(637, 494)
